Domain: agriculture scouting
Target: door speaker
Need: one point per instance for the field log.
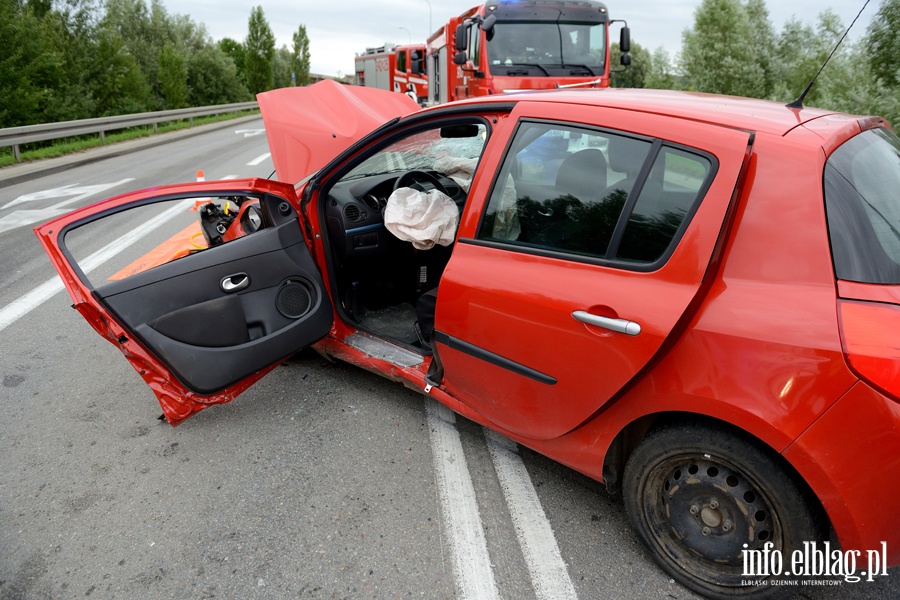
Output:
(294, 299)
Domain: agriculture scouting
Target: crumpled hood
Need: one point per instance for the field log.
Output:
(308, 126)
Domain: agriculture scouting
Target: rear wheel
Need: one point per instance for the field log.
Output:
(698, 496)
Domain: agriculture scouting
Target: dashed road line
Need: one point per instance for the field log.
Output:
(20, 307)
(462, 520)
(259, 159)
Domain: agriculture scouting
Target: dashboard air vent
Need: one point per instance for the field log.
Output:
(352, 212)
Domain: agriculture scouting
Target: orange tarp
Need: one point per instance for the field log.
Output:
(181, 244)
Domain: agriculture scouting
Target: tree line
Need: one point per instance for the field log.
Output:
(77, 59)
(733, 48)
(74, 59)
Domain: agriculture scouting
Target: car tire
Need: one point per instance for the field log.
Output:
(697, 495)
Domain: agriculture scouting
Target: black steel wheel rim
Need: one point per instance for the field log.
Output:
(704, 512)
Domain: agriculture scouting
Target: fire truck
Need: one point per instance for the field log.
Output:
(396, 68)
(514, 45)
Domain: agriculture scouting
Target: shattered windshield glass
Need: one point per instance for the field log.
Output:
(419, 152)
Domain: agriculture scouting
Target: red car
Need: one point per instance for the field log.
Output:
(691, 298)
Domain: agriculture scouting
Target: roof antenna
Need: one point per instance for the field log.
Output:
(798, 103)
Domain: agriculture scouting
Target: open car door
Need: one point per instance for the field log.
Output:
(203, 287)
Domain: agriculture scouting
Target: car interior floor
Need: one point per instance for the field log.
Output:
(380, 296)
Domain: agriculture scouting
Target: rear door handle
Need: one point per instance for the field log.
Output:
(617, 325)
(235, 282)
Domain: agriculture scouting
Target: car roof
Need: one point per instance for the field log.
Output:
(729, 111)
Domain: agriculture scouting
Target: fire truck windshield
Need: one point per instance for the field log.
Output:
(552, 48)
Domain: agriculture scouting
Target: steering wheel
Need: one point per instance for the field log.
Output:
(420, 180)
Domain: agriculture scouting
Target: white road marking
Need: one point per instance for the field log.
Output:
(60, 192)
(67, 190)
(250, 132)
(259, 159)
(459, 509)
(549, 574)
(20, 307)
(19, 218)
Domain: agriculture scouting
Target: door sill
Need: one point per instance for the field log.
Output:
(382, 349)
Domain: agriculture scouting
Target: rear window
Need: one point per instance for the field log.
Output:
(862, 202)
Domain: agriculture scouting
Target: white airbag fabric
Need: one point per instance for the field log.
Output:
(506, 217)
(459, 170)
(423, 218)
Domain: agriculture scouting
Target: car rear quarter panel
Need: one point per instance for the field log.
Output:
(765, 349)
(851, 457)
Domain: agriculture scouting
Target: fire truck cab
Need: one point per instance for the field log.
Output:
(505, 46)
(394, 68)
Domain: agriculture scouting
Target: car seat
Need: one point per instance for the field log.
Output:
(626, 155)
(582, 175)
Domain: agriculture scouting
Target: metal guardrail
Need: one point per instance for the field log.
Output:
(13, 136)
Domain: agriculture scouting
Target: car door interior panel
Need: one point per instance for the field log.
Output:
(215, 316)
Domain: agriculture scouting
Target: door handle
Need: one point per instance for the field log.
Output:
(235, 282)
(617, 325)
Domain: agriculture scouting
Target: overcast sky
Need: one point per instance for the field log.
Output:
(339, 29)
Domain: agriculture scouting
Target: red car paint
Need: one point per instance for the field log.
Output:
(739, 324)
(301, 145)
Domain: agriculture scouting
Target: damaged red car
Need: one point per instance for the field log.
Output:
(694, 299)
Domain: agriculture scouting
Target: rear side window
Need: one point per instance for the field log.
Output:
(594, 194)
(862, 202)
(675, 182)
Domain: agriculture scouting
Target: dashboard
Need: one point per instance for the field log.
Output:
(354, 209)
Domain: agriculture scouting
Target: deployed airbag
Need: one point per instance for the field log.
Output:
(506, 219)
(423, 218)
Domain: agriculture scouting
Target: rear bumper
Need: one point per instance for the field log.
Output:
(851, 459)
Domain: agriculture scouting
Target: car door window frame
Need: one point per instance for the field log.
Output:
(270, 218)
(609, 259)
(317, 194)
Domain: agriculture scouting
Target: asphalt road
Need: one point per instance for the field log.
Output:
(322, 481)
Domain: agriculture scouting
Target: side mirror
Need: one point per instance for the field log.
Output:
(625, 60)
(625, 40)
(459, 58)
(416, 66)
(462, 38)
(251, 219)
(488, 26)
